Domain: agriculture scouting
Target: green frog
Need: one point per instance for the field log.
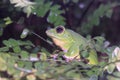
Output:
(70, 43)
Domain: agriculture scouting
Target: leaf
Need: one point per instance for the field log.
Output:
(4, 49)
(41, 8)
(10, 42)
(28, 65)
(118, 65)
(43, 56)
(21, 3)
(31, 77)
(93, 59)
(110, 68)
(3, 66)
(10, 69)
(24, 54)
(55, 19)
(99, 43)
(55, 16)
(20, 63)
(94, 18)
(112, 78)
(73, 75)
(7, 43)
(28, 10)
(116, 74)
(13, 42)
(17, 49)
(90, 73)
(17, 75)
(7, 20)
(3, 61)
(116, 55)
(25, 4)
(41, 66)
(25, 43)
(85, 53)
(34, 57)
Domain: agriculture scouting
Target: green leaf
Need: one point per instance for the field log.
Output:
(41, 8)
(41, 66)
(93, 59)
(31, 77)
(10, 69)
(94, 18)
(112, 78)
(7, 43)
(55, 16)
(90, 73)
(4, 49)
(3, 61)
(24, 33)
(7, 20)
(17, 49)
(110, 68)
(10, 42)
(116, 74)
(85, 54)
(28, 65)
(43, 56)
(24, 54)
(25, 43)
(13, 42)
(3, 65)
(20, 63)
(73, 75)
(17, 74)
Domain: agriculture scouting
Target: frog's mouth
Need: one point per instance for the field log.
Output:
(49, 34)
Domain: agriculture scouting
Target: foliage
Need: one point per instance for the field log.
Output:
(3, 23)
(40, 8)
(21, 64)
(22, 60)
(94, 18)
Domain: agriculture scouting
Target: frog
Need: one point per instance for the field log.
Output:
(70, 42)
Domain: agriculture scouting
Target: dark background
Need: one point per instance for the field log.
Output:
(75, 14)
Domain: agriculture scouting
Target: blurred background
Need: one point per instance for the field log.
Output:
(87, 17)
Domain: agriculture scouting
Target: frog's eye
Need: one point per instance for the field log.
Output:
(59, 29)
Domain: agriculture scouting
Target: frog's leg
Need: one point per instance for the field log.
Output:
(72, 53)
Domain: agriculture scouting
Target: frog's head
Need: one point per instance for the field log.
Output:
(59, 33)
(60, 36)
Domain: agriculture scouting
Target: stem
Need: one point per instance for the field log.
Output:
(111, 63)
(50, 43)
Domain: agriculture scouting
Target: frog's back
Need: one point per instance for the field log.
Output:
(78, 38)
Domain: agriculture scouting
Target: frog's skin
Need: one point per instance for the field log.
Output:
(68, 40)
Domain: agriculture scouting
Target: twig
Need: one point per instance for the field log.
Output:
(23, 69)
(50, 43)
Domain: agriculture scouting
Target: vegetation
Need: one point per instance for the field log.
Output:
(26, 53)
